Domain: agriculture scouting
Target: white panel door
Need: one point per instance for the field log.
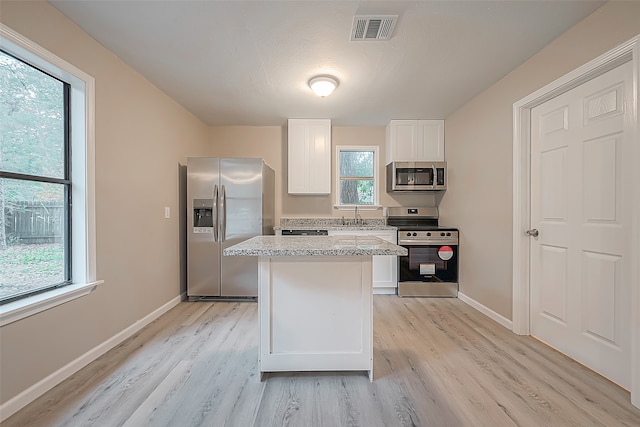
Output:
(580, 204)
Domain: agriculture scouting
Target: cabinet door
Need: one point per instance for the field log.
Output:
(402, 140)
(298, 157)
(319, 166)
(430, 140)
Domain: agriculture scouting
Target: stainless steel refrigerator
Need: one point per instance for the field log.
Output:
(228, 201)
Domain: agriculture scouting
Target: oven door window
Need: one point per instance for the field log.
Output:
(429, 264)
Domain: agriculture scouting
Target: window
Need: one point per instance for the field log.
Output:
(46, 160)
(35, 184)
(357, 176)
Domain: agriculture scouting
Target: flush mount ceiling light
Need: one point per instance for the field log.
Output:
(323, 85)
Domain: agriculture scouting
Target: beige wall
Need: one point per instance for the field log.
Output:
(265, 142)
(141, 137)
(270, 143)
(479, 150)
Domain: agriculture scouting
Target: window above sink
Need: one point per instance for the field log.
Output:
(357, 178)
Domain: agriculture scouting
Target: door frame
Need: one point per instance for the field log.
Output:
(629, 51)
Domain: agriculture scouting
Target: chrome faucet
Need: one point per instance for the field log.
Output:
(357, 217)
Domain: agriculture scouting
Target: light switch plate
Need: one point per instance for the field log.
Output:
(167, 212)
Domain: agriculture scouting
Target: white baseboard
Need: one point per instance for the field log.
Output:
(21, 400)
(486, 311)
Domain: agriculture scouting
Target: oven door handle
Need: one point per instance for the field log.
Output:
(408, 242)
(402, 242)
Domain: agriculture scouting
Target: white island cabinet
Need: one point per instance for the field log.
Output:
(315, 300)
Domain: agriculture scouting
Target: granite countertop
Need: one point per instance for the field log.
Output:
(332, 224)
(314, 245)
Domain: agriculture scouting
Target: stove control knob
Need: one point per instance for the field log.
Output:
(448, 234)
(428, 234)
(408, 234)
(442, 234)
(415, 234)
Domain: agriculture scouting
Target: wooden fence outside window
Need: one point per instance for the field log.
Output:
(34, 222)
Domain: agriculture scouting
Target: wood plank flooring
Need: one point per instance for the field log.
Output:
(437, 362)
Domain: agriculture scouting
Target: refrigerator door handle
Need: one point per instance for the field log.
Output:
(223, 214)
(215, 213)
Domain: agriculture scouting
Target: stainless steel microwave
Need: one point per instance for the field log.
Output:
(416, 176)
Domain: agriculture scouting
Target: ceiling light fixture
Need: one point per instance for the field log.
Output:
(323, 85)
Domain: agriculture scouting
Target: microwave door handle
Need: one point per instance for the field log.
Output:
(215, 213)
(434, 181)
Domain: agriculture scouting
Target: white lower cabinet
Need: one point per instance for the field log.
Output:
(385, 267)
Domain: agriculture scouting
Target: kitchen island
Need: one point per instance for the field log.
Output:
(315, 300)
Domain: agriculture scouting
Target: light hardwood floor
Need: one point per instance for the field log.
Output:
(437, 362)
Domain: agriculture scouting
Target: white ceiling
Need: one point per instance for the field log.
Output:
(248, 62)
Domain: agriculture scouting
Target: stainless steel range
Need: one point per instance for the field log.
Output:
(431, 267)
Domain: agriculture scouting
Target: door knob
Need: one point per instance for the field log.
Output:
(533, 232)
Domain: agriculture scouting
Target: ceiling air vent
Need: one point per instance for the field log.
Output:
(373, 27)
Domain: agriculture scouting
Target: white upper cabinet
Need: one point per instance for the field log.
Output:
(431, 140)
(415, 140)
(309, 156)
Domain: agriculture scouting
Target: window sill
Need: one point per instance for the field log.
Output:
(360, 207)
(20, 309)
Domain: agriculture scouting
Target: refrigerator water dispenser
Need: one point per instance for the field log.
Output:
(203, 215)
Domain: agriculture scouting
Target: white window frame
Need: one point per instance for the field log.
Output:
(376, 177)
(83, 233)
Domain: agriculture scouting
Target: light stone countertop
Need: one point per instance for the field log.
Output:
(332, 224)
(353, 227)
(314, 245)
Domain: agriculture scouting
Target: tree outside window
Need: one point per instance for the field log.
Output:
(357, 175)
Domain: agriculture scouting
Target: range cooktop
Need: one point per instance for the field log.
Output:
(416, 218)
